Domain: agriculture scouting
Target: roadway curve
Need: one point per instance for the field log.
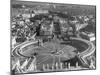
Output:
(89, 51)
(16, 50)
(82, 55)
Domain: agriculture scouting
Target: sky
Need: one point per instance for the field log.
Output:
(73, 9)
